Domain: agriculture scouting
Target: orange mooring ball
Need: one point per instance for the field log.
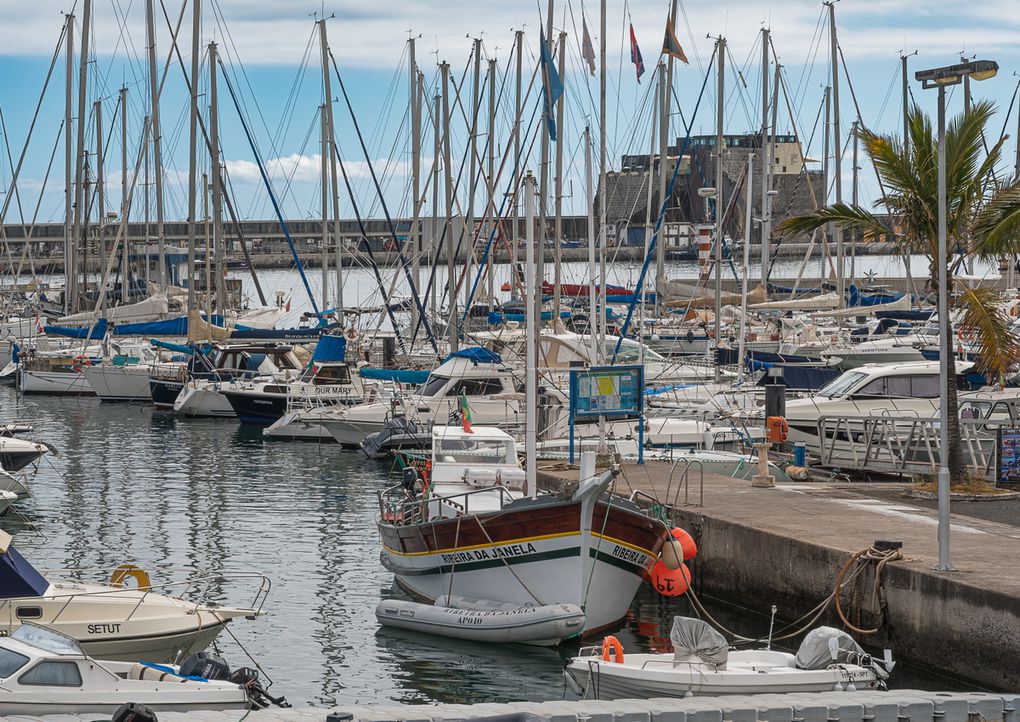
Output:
(670, 582)
(687, 542)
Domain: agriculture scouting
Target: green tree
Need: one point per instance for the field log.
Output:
(982, 220)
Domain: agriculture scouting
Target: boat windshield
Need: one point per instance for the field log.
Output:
(433, 386)
(47, 639)
(630, 352)
(840, 385)
(10, 662)
(476, 451)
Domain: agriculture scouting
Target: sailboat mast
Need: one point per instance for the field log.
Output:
(217, 185)
(330, 152)
(79, 156)
(663, 110)
(196, 31)
(157, 152)
(436, 151)
(415, 101)
(558, 188)
(493, 211)
(532, 301)
(543, 182)
(324, 173)
(603, 231)
(124, 210)
(470, 235)
(518, 108)
(748, 230)
(904, 80)
(766, 154)
(68, 165)
(837, 150)
(451, 281)
(589, 197)
(100, 194)
(719, 151)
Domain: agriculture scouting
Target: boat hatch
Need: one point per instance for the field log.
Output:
(476, 451)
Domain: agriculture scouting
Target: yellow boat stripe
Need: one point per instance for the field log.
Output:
(522, 540)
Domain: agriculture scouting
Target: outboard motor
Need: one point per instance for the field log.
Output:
(133, 712)
(259, 698)
(203, 664)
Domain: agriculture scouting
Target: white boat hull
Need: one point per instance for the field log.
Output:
(55, 382)
(119, 383)
(203, 401)
(298, 426)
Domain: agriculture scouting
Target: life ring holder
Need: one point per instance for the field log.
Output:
(121, 573)
(612, 644)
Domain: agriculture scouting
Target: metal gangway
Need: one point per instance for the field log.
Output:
(906, 445)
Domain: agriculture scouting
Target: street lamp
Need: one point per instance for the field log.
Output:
(941, 78)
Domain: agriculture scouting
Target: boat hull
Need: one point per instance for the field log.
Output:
(67, 383)
(202, 401)
(541, 544)
(119, 383)
(164, 392)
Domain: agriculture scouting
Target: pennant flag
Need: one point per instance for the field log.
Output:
(465, 414)
(553, 88)
(671, 46)
(635, 55)
(587, 50)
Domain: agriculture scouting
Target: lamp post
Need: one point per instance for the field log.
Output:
(941, 78)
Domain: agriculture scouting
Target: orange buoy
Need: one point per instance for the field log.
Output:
(670, 582)
(612, 644)
(687, 543)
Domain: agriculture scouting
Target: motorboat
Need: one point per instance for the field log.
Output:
(702, 664)
(112, 620)
(474, 374)
(893, 390)
(469, 526)
(16, 454)
(45, 672)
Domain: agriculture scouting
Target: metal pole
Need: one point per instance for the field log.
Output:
(766, 158)
(470, 234)
(719, 149)
(589, 196)
(451, 281)
(660, 250)
(148, 203)
(519, 50)
(906, 105)
(945, 348)
(196, 32)
(324, 173)
(217, 185)
(558, 201)
(603, 231)
(490, 271)
(543, 170)
(100, 178)
(157, 153)
(837, 149)
(533, 299)
(826, 140)
(68, 166)
(124, 209)
(436, 151)
(327, 87)
(79, 156)
(748, 229)
(415, 101)
(854, 196)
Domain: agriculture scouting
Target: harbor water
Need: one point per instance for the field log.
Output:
(182, 497)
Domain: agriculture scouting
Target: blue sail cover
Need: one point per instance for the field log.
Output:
(330, 348)
(98, 331)
(478, 355)
(404, 376)
(169, 327)
(18, 578)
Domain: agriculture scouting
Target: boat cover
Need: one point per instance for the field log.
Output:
(330, 348)
(98, 331)
(825, 646)
(478, 355)
(404, 376)
(694, 641)
(18, 578)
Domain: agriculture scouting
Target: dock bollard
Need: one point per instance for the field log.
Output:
(763, 479)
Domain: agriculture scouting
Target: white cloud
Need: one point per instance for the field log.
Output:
(307, 168)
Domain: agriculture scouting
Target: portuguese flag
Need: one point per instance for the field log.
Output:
(465, 413)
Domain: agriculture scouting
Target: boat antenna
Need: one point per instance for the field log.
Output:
(772, 625)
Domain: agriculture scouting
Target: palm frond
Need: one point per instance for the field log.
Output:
(996, 228)
(847, 217)
(997, 346)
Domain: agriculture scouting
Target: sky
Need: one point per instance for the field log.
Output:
(272, 59)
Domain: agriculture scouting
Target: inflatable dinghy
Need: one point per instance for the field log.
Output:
(482, 620)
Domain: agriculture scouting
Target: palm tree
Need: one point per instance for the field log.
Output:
(983, 221)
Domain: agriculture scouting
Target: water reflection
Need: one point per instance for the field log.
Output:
(134, 485)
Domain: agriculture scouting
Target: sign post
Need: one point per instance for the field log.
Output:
(609, 391)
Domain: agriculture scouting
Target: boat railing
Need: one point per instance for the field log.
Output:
(397, 507)
(684, 481)
(179, 588)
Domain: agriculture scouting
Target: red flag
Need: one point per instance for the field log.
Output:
(635, 55)
(587, 49)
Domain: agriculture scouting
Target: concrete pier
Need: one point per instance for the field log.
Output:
(895, 706)
(785, 545)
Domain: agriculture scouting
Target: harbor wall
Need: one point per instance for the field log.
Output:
(937, 621)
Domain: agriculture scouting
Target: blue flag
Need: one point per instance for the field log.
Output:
(552, 90)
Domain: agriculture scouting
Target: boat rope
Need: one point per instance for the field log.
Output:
(848, 574)
(226, 628)
(602, 533)
(453, 564)
(509, 568)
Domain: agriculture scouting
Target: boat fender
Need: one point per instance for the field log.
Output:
(778, 429)
(686, 541)
(133, 712)
(670, 582)
(124, 571)
(612, 644)
(672, 554)
(797, 473)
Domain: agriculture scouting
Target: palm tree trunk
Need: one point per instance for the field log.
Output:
(957, 467)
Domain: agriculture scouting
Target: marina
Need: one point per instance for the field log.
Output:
(510, 388)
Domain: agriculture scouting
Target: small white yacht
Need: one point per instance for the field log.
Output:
(45, 672)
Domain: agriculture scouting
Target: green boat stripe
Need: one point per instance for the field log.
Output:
(502, 561)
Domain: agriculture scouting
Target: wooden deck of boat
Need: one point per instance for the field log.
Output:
(895, 706)
(785, 545)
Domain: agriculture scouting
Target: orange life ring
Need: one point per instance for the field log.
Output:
(130, 570)
(611, 643)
